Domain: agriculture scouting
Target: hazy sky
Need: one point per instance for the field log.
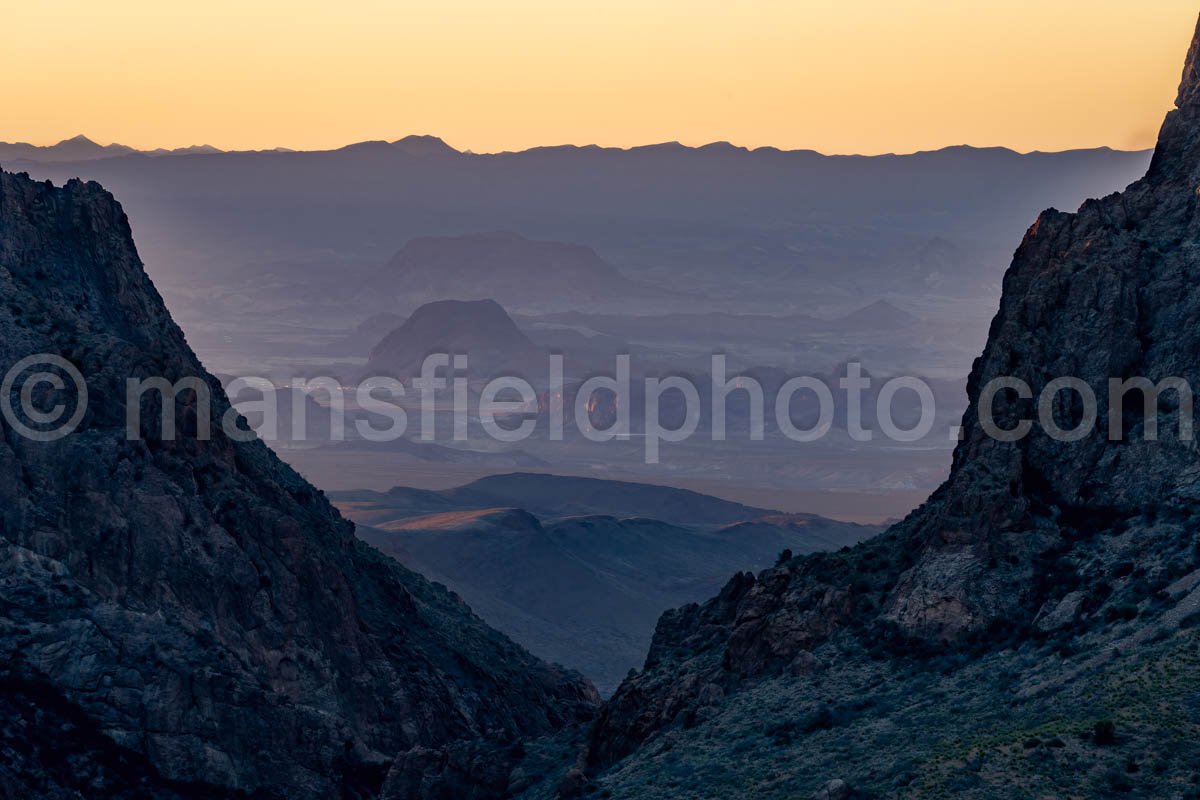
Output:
(838, 76)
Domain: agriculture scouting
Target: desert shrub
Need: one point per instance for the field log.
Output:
(1096, 597)
(1117, 781)
(822, 720)
(1104, 732)
(1124, 611)
(783, 734)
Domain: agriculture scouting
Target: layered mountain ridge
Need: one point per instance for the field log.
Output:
(575, 569)
(687, 220)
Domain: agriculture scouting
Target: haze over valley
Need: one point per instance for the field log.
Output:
(397, 470)
(282, 264)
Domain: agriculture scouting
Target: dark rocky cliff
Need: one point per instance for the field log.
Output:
(192, 613)
(1026, 539)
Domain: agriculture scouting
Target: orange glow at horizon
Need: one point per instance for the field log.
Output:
(852, 76)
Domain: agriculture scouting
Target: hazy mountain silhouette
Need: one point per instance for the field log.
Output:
(553, 496)
(479, 329)
(685, 219)
(196, 149)
(424, 146)
(81, 148)
(366, 334)
(514, 271)
(562, 496)
(880, 315)
(77, 148)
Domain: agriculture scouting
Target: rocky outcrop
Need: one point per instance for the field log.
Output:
(1029, 533)
(193, 607)
(1109, 292)
(834, 790)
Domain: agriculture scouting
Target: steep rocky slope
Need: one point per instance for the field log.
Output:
(1043, 583)
(191, 616)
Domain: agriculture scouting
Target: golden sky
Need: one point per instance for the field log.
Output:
(839, 76)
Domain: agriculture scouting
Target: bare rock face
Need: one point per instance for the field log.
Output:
(1024, 533)
(195, 607)
(1109, 292)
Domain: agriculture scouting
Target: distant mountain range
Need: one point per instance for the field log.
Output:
(554, 496)
(502, 266)
(760, 228)
(81, 148)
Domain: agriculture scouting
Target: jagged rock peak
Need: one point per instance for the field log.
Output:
(1189, 86)
(1177, 153)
